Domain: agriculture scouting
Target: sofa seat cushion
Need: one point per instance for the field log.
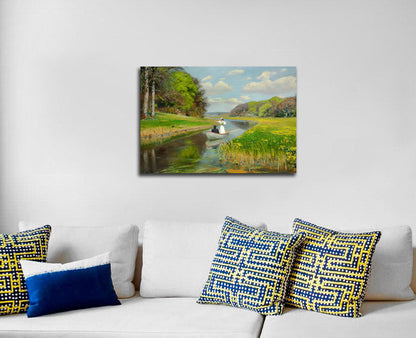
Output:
(381, 319)
(140, 317)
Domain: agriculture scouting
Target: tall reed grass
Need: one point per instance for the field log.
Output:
(270, 144)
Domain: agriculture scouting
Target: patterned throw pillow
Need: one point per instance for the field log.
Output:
(331, 270)
(250, 269)
(29, 245)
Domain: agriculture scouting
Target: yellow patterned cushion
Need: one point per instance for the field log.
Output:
(29, 245)
(250, 269)
(331, 270)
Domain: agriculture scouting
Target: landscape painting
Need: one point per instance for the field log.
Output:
(217, 120)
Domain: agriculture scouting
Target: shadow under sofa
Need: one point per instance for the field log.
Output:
(169, 315)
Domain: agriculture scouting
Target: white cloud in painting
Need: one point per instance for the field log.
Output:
(232, 100)
(222, 79)
(219, 88)
(235, 72)
(228, 103)
(206, 78)
(280, 87)
(266, 75)
(283, 70)
(245, 97)
(249, 78)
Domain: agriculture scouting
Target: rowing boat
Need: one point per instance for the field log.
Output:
(216, 136)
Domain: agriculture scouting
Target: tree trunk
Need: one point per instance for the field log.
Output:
(146, 92)
(153, 98)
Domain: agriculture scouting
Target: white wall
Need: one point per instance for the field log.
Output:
(69, 112)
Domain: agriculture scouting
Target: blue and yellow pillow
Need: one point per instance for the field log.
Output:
(29, 245)
(331, 270)
(250, 269)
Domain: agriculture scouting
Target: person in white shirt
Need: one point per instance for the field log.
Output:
(222, 124)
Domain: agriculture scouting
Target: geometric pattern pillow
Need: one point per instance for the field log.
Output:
(331, 270)
(29, 245)
(250, 269)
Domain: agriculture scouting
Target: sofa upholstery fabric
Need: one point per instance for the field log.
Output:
(177, 257)
(381, 319)
(391, 269)
(68, 244)
(142, 318)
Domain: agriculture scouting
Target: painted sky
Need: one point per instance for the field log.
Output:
(227, 87)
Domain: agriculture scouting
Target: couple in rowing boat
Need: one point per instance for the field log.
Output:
(222, 129)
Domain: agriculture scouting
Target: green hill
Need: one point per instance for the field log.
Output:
(273, 107)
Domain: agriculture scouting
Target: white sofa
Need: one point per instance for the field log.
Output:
(175, 261)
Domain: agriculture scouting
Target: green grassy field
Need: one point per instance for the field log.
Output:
(165, 127)
(269, 144)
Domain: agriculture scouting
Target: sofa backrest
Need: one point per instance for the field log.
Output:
(413, 284)
(139, 259)
(286, 229)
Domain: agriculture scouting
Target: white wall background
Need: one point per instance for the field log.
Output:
(69, 111)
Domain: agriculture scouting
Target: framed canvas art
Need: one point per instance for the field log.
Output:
(217, 120)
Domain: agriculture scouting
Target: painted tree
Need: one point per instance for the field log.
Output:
(157, 76)
(184, 85)
(153, 97)
(160, 79)
(287, 108)
(200, 102)
(172, 90)
(146, 92)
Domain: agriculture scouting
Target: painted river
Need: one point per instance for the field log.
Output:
(191, 154)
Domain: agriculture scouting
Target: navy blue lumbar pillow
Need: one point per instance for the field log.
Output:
(63, 287)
